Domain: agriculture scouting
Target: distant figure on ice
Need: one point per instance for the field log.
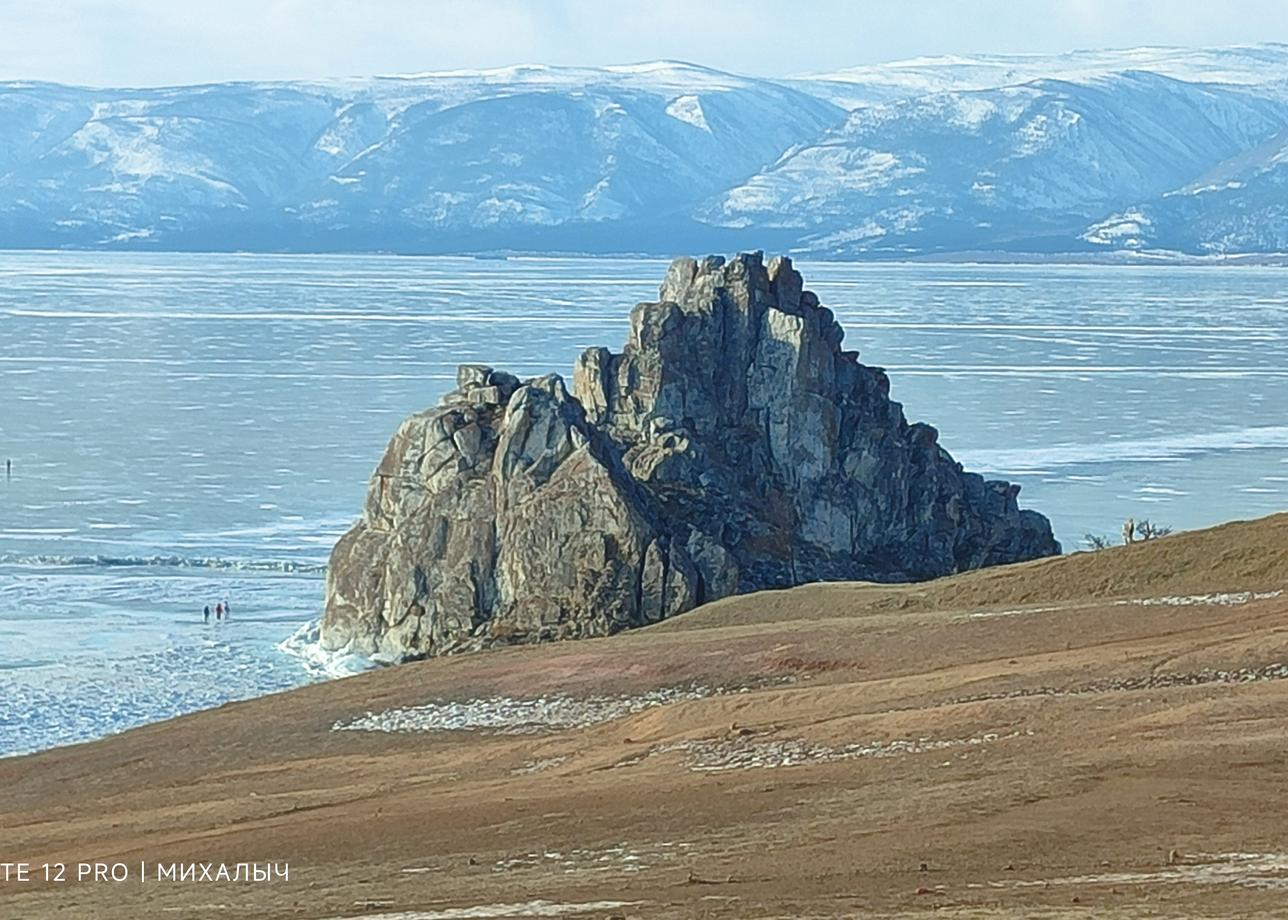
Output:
(205, 614)
(8, 470)
(227, 610)
(219, 611)
(1129, 530)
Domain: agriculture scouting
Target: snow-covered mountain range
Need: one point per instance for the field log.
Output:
(1152, 148)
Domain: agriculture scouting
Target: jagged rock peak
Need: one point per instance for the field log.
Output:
(732, 445)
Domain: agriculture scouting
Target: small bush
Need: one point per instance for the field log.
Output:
(1134, 530)
(1147, 530)
(1096, 541)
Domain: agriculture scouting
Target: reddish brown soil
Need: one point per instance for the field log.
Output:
(1045, 750)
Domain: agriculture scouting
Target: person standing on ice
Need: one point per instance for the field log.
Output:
(227, 610)
(205, 614)
(219, 611)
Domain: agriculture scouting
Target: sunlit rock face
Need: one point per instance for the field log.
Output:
(731, 446)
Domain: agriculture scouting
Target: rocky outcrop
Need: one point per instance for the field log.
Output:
(731, 446)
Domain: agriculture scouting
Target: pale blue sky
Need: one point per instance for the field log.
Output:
(145, 42)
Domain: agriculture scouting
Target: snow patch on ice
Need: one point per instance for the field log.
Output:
(1176, 447)
(305, 644)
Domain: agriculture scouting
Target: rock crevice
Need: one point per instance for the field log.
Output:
(731, 446)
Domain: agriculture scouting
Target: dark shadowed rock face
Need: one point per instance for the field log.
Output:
(731, 446)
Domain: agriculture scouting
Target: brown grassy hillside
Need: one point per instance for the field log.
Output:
(1100, 735)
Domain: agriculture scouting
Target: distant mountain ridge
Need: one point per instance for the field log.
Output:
(1032, 165)
(1093, 151)
(1249, 65)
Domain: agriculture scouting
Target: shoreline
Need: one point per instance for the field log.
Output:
(303, 647)
(1000, 258)
(782, 750)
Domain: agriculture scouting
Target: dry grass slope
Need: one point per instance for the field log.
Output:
(1100, 735)
(1234, 557)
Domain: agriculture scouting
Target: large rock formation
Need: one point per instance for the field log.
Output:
(731, 446)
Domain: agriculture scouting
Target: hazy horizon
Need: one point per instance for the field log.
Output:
(965, 56)
(140, 43)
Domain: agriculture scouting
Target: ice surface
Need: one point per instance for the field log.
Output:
(190, 428)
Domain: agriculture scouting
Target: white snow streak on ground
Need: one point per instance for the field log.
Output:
(1205, 600)
(508, 715)
(1247, 870)
(483, 911)
(1228, 599)
(717, 755)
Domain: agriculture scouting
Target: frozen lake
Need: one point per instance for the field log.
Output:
(190, 428)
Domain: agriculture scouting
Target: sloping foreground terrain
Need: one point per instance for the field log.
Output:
(1098, 735)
